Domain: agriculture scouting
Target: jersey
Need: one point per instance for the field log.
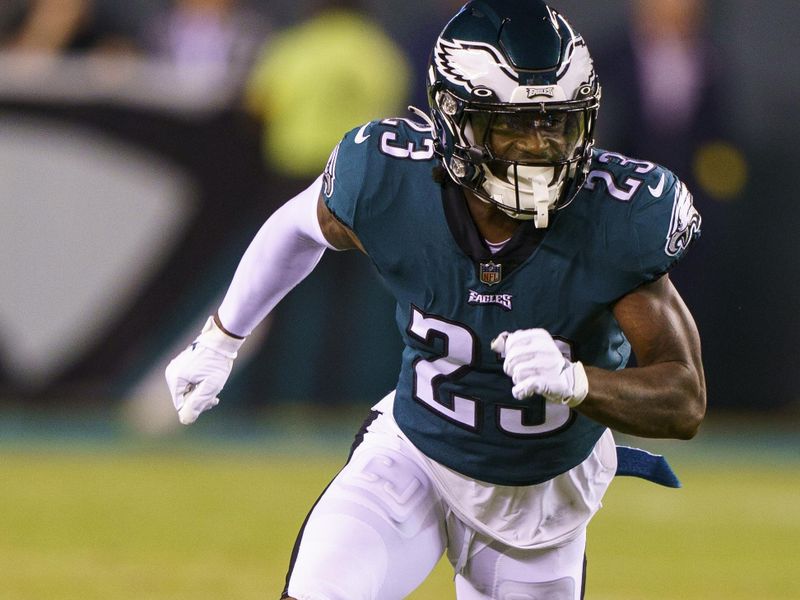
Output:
(628, 225)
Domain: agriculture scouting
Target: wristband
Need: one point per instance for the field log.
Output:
(213, 338)
(580, 387)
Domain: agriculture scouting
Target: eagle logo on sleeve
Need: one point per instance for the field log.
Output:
(684, 224)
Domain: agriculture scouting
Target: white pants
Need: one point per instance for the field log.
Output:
(381, 526)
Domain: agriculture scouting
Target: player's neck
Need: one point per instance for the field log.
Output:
(492, 223)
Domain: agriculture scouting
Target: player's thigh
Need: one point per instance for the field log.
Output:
(375, 533)
(498, 572)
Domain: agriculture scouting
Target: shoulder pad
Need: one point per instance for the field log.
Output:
(648, 214)
(366, 161)
(665, 222)
(344, 178)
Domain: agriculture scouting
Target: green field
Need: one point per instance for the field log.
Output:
(196, 518)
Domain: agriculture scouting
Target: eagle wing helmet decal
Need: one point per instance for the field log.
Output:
(475, 65)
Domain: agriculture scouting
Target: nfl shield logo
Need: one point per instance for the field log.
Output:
(491, 273)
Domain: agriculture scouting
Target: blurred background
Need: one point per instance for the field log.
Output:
(142, 145)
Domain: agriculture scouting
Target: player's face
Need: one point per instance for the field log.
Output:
(529, 137)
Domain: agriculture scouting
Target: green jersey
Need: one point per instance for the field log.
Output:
(629, 224)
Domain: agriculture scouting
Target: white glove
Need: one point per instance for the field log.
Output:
(197, 374)
(537, 366)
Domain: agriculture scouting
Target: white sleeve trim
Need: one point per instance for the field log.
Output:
(283, 253)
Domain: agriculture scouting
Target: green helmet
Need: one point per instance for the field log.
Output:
(514, 99)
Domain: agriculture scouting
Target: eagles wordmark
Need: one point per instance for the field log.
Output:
(503, 300)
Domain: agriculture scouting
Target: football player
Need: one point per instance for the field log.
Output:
(527, 265)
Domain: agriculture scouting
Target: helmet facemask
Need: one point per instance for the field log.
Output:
(525, 157)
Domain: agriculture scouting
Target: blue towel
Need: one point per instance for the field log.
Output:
(634, 462)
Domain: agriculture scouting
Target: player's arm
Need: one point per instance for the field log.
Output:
(665, 395)
(283, 253)
(662, 397)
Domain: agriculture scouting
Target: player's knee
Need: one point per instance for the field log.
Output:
(341, 557)
(380, 512)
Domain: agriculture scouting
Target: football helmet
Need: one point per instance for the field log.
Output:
(514, 99)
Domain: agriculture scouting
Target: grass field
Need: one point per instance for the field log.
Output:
(197, 518)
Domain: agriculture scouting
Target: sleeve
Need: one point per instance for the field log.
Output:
(343, 181)
(284, 251)
(664, 223)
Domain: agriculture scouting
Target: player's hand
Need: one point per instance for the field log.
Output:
(197, 374)
(536, 366)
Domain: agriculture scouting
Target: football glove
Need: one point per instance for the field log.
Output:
(537, 366)
(196, 376)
